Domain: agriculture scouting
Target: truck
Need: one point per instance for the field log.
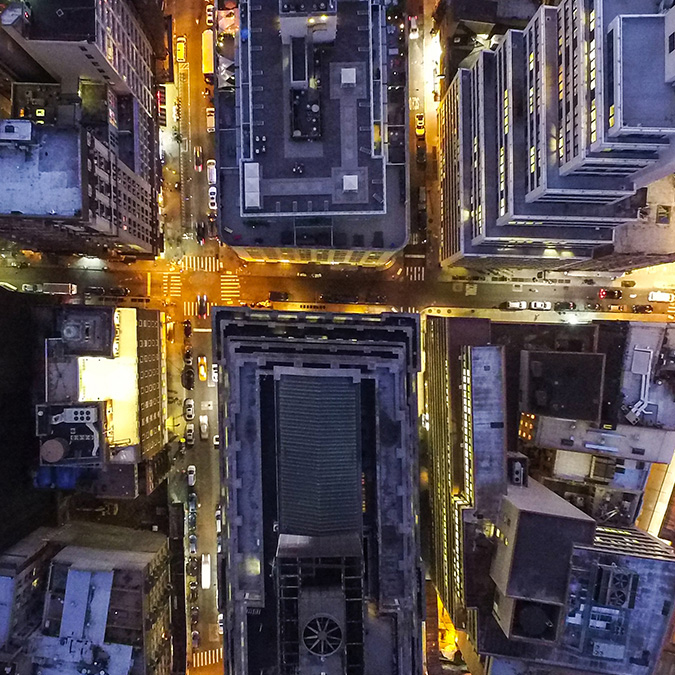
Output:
(59, 288)
(208, 65)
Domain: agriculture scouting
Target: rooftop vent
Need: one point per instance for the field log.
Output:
(350, 183)
(348, 77)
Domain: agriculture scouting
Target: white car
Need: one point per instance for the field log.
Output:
(191, 475)
(219, 520)
(414, 29)
(213, 198)
(541, 305)
(211, 174)
(189, 409)
(209, 15)
(220, 623)
(190, 434)
(515, 304)
(214, 372)
(203, 427)
(661, 296)
(216, 441)
(211, 120)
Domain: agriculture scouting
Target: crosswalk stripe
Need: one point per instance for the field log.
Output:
(415, 273)
(172, 285)
(201, 263)
(207, 658)
(230, 288)
(190, 308)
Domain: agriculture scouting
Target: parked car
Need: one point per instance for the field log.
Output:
(514, 304)
(202, 307)
(203, 427)
(94, 290)
(642, 309)
(194, 592)
(213, 198)
(194, 615)
(219, 520)
(190, 434)
(421, 153)
(279, 296)
(211, 174)
(209, 15)
(214, 372)
(191, 475)
(201, 368)
(661, 296)
(118, 292)
(195, 639)
(220, 623)
(189, 409)
(219, 543)
(594, 306)
(617, 308)
(210, 120)
(414, 29)
(192, 521)
(33, 288)
(187, 328)
(420, 129)
(542, 305)
(564, 306)
(192, 502)
(187, 378)
(610, 294)
(199, 158)
(216, 441)
(192, 543)
(187, 355)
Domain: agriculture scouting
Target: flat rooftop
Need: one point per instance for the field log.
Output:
(312, 165)
(42, 177)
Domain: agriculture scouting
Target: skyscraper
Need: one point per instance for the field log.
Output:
(321, 567)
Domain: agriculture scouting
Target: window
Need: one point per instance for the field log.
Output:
(671, 43)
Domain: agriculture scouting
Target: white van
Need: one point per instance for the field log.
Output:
(211, 171)
(661, 296)
(206, 571)
(210, 120)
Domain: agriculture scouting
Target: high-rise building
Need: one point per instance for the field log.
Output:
(102, 427)
(548, 575)
(80, 156)
(538, 168)
(86, 598)
(314, 168)
(320, 570)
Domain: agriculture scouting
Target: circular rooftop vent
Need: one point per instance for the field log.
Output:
(322, 636)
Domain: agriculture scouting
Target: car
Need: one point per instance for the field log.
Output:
(203, 427)
(564, 306)
(414, 32)
(593, 306)
(191, 475)
(181, 49)
(200, 232)
(219, 543)
(202, 306)
(189, 409)
(192, 564)
(642, 309)
(118, 291)
(199, 158)
(187, 355)
(514, 304)
(94, 290)
(192, 502)
(216, 441)
(210, 120)
(213, 198)
(192, 522)
(661, 296)
(219, 520)
(419, 125)
(616, 308)
(187, 378)
(194, 615)
(421, 153)
(193, 595)
(543, 305)
(211, 174)
(201, 368)
(35, 288)
(279, 296)
(192, 543)
(209, 15)
(195, 639)
(190, 434)
(220, 623)
(187, 328)
(214, 372)
(610, 294)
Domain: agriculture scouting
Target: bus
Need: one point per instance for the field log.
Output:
(208, 66)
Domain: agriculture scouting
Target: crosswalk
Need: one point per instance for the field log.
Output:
(200, 263)
(415, 273)
(172, 285)
(190, 307)
(230, 289)
(207, 658)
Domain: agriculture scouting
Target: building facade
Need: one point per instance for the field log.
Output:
(320, 567)
(540, 170)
